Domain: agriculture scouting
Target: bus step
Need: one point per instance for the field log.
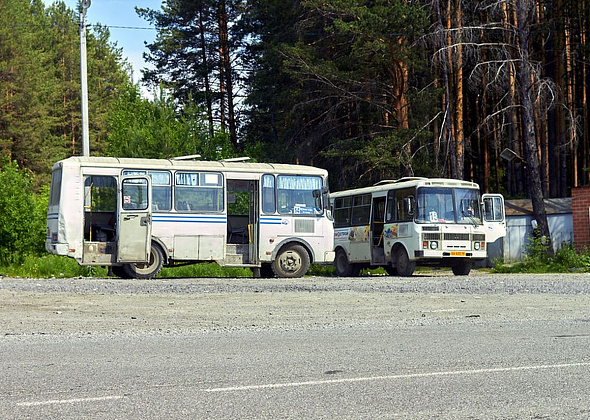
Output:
(237, 254)
(236, 259)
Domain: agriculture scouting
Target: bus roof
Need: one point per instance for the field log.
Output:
(172, 164)
(407, 182)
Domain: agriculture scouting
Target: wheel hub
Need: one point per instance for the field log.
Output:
(290, 261)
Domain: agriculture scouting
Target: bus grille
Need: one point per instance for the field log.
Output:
(456, 236)
(304, 226)
(430, 229)
(431, 236)
(479, 237)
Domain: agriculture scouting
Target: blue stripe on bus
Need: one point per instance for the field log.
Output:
(270, 221)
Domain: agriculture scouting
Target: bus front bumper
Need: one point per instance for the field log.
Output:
(427, 254)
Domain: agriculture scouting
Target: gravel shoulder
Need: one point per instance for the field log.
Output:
(97, 306)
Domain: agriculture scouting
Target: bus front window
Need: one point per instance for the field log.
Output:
(296, 194)
(467, 205)
(448, 205)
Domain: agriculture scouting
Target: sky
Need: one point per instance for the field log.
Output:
(127, 29)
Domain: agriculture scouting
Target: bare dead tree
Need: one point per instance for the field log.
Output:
(503, 38)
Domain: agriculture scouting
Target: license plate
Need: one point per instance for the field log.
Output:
(457, 253)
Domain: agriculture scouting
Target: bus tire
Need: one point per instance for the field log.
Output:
(343, 267)
(148, 270)
(403, 265)
(390, 270)
(119, 271)
(461, 268)
(291, 261)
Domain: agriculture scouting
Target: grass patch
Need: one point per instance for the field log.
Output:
(204, 270)
(49, 266)
(537, 260)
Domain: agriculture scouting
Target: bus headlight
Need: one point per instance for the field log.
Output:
(433, 245)
(476, 246)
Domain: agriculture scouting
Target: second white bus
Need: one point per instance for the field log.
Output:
(414, 221)
(138, 215)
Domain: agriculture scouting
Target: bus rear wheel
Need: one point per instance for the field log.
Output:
(343, 267)
(291, 261)
(147, 270)
(404, 266)
(390, 270)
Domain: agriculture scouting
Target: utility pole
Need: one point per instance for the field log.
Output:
(83, 79)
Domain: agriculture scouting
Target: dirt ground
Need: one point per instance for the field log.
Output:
(108, 306)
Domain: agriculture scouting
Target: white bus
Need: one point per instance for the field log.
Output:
(137, 215)
(414, 221)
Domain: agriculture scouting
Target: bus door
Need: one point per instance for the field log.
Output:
(135, 219)
(377, 224)
(493, 217)
(253, 222)
(100, 219)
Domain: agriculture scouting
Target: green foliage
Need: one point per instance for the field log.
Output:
(538, 260)
(204, 270)
(22, 215)
(40, 83)
(140, 127)
(336, 95)
(49, 266)
(321, 270)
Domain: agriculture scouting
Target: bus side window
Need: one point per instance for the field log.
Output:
(361, 210)
(342, 212)
(268, 194)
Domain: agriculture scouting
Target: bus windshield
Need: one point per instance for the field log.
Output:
(448, 205)
(296, 195)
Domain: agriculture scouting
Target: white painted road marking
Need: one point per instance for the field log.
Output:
(391, 377)
(70, 401)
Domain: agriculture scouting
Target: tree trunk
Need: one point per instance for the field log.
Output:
(226, 72)
(458, 115)
(525, 81)
(449, 78)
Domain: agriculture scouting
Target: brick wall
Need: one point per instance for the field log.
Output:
(580, 206)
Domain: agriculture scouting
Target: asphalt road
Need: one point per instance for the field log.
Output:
(477, 347)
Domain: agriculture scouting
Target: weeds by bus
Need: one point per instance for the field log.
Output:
(138, 215)
(414, 221)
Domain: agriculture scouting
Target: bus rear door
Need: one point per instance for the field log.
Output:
(135, 220)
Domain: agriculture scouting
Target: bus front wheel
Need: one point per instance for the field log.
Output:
(147, 270)
(291, 261)
(343, 267)
(404, 266)
(461, 268)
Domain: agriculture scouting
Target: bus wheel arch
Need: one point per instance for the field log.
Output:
(292, 260)
(163, 248)
(151, 268)
(403, 265)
